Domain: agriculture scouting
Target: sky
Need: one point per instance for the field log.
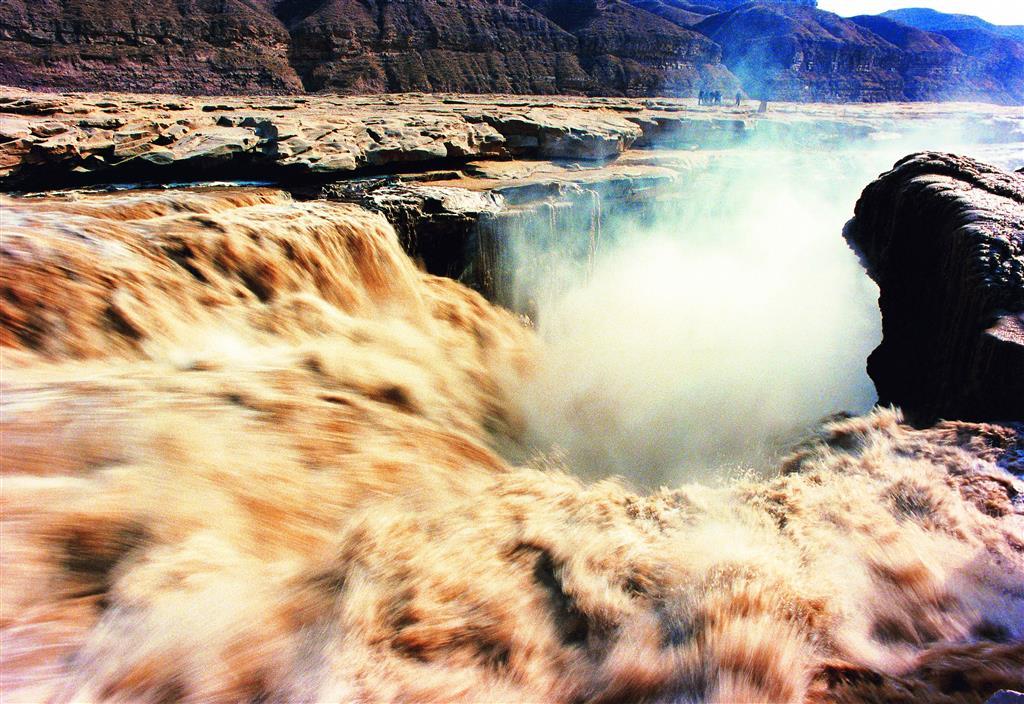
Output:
(995, 11)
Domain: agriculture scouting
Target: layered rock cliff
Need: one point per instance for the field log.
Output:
(190, 46)
(935, 21)
(1001, 58)
(932, 67)
(957, 65)
(350, 47)
(427, 45)
(785, 49)
(943, 236)
(623, 45)
(799, 53)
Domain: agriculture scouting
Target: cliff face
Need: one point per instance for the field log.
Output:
(968, 64)
(428, 45)
(622, 45)
(943, 236)
(207, 46)
(1001, 58)
(932, 67)
(679, 13)
(785, 49)
(352, 47)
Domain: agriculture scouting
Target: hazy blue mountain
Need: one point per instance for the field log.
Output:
(935, 21)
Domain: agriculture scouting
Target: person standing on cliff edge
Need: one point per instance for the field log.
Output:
(739, 98)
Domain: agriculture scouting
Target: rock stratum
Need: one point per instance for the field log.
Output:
(775, 49)
(249, 454)
(49, 141)
(944, 238)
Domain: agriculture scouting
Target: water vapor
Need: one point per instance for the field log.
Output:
(713, 334)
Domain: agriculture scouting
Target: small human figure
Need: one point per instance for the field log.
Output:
(700, 97)
(739, 98)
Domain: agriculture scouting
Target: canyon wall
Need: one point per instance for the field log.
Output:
(776, 49)
(351, 47)
(196, 45)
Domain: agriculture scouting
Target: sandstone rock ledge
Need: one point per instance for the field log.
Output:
(49, 141)
(943, 236)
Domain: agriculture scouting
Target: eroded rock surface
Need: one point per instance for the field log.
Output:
(48, 141)
(943, 236)
(130, 137)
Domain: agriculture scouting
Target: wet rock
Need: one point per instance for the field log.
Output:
(1006, 696)
(435, 224)
(943, 236)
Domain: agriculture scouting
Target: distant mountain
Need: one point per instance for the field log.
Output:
(680, 13)
(935, 21)
(353, 46)
(934, 67)
(788, 52)
(1003, 58)
(781, 49)
(726, 5)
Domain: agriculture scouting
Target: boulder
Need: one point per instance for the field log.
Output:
(943, 236)
(1006, 696)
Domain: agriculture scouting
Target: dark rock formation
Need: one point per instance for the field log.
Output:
(434, 223)
(943, 236)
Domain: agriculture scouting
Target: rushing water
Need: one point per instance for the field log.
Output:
(247, 456)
